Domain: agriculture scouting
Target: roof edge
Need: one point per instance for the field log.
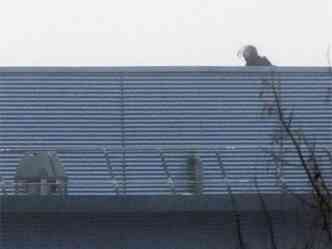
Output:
(156, 69)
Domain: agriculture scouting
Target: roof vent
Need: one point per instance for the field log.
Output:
(40, 173)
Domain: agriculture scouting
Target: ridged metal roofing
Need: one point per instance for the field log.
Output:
(96, 112)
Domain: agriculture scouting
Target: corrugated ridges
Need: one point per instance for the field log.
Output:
(158, 107)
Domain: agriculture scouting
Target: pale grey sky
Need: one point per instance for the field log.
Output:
(163, 32)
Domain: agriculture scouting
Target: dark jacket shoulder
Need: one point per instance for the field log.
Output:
(265, 61)
(259, 61)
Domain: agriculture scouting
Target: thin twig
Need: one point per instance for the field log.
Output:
(267, 215)
(235, 209)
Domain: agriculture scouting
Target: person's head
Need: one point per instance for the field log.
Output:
(250, 55)
(249, 52)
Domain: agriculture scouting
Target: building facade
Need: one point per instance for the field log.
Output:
(124, 136)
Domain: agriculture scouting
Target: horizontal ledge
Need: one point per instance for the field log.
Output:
(157, 69)
(167, 203)
(140, 148)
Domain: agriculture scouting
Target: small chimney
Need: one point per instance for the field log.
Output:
(194, 167)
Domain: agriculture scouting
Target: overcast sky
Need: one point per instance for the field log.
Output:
(163, 32)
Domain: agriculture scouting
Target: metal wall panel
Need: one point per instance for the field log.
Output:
(155, 231)
(151, 107)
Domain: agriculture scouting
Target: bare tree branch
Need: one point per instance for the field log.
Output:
(308, 156)
(268, 218)
(235, 209)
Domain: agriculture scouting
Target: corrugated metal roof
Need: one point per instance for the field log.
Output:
(154, 107)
